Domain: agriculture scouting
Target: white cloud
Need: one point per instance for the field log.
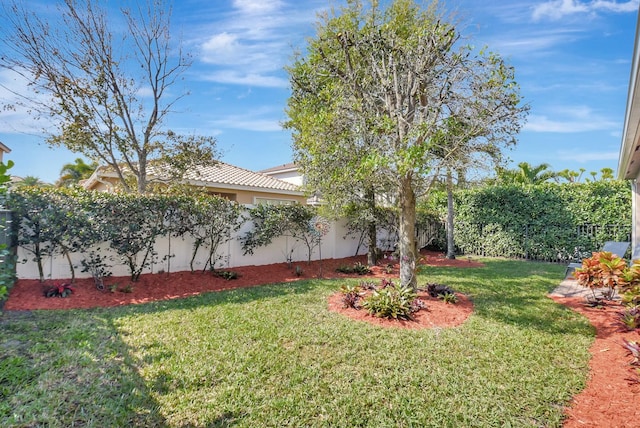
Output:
(536, 41)
(260, 118)
(222, 43)
(257, 6)
(570, 120)
(613, 6)
(583, 157)
(18, 119)
(234, 77)
(248, 124)
(557, 9)
(251, 43)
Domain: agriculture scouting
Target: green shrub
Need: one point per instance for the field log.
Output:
(226, 274)
(392, 301)
(547, 221)
(357, 268)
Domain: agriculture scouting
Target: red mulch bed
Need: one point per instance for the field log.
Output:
(437, 313)
(611, 399)
(612, 396)
(28, 294)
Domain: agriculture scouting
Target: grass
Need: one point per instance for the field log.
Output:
(275, 356)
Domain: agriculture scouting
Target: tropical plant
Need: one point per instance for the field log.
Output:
(392, 301)
(29, 181)
(357, 268)
(351, 296)
(602, 270)
(226, 274)
(59, 290)
(442, 291)
(527, 174)
(630, 317)
(73, 173)
(629, 284)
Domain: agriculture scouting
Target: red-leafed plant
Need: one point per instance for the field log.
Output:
(602, 270)
(351, 295)
(634, 350)
(59, 290)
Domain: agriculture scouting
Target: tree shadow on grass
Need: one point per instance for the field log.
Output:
(232, 296)
(72, 369)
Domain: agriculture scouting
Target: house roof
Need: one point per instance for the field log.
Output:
(281, 168)
(629, 160)
(4, 148)
(220, 175)
(224, 173)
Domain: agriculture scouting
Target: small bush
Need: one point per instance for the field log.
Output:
(450, 298)
(437, 290)
(357, 268)
(630, 295)
(630, 317)
(391, 301)
(367, 285)
(59, 290)
(351, 295)
(226, 274)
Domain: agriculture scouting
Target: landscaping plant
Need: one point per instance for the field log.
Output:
(59, 290)
(357, 268)
(351, 296)
(630, 317)
(602, 270)
(391, 301)
(226, 274)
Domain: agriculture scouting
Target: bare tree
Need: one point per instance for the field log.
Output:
(107, 91)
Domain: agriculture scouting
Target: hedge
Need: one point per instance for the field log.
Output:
(542, 222)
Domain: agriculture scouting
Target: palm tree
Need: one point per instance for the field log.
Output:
(29, 181)
(527, 174)
(72, 173)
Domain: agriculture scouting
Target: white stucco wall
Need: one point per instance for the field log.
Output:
(334, 245)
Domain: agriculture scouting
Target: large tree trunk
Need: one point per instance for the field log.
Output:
(451, 245)
(407, 235)
(372, 256)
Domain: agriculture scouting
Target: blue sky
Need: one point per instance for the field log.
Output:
(572, 60)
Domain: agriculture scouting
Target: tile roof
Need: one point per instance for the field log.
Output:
(285, 167)
(224, 173)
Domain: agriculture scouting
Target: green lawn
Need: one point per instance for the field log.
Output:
(275, 356)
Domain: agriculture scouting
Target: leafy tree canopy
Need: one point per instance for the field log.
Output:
(375, 91)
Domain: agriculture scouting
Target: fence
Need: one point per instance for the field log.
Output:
(338, 243)
(553, 243)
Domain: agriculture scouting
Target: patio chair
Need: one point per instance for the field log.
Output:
(616, 248)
